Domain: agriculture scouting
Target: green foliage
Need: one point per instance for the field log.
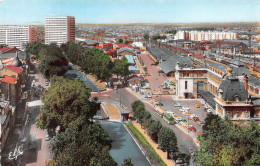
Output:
(64, 102)
(154, 128)
(91, 60)
(225, 143)
(127, 42)
(80, 141)
(167, 140)
(85, 145)
(136, 104)
(172, 32)
(34, 48)
(156, 37)
(120, 40)
(3, 45)
(149, 150)
(146, 36)
(52, 61)
(127, 162)
(121, 67)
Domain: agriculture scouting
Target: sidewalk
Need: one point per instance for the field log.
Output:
(162, 154)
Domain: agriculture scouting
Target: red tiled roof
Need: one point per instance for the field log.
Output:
(133, 83)
(4, 49)
(14, 68)
(133, 76)
(8, 62)
(107, 44)
(98, 47)
(124, 45)
(8, 79)
(110, 51)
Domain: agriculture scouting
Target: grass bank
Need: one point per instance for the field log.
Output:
(149, 150)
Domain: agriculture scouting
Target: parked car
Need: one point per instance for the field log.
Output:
(209, 110)
(192, 128)
(195, 119)
(201, 123)
(148, 96)
(177, 105)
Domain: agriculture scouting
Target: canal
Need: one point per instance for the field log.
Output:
(124, 146)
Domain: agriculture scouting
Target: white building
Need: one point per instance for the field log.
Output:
(16, 36)
(204, 35)
(180, 35)
(59, 29)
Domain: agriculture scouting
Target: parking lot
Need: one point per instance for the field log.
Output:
(186, 110)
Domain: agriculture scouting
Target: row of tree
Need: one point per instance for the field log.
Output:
(91, 60)
(79, 141)
(226, 143)
(95, 61)
(165, 137)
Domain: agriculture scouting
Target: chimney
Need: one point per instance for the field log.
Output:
(246, 82)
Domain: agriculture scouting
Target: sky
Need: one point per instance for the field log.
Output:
(26, 12)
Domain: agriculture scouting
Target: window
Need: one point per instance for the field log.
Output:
(186, 84)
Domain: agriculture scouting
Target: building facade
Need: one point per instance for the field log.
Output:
(204, 35)
(16, 36)
(59, 29)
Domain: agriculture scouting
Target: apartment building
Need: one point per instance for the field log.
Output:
(17, 36)
(59, 29)
(204, 35)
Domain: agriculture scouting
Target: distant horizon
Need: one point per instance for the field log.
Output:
(82, 23)
(33, 12)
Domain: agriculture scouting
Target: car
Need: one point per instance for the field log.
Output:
(177, 105)
(201, 123)
(209, 110)
(195, 119)
(148, 96)
(192, 128)
(47, 138)
(192, 115)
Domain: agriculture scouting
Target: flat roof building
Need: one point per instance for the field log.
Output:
(16, 35)
(59, 29)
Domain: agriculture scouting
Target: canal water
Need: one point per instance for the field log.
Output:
(124, 146)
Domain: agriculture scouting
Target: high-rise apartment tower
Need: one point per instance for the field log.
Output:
(59, 29)
(16, 35)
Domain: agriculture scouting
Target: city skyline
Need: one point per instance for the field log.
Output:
(137, 11)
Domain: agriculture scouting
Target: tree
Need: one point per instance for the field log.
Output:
(34, 48)
(65, 101)
(121, 40)
(146, 36)
(136, 104)
(52, 61)
(72, 51)
(127, 42)
(167, 140)
(225, 143)
(121, 67)
(154, 129)
(143, 116)
(95, 61)
(82, 144)
(127, 162)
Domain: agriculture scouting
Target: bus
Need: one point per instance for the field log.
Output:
(168, 118)
(160, 111)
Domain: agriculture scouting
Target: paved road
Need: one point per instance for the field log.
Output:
(168, 102)
(127, 98)
(155, 78)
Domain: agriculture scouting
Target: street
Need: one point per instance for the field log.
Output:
(184, 141)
